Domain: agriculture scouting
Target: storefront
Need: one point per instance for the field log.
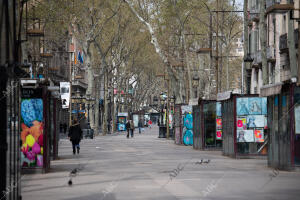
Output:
(207, 126)
(284, 125)
(244, 124)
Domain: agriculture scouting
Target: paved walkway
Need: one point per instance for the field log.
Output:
(145, 167)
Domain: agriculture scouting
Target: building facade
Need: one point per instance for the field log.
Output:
(280, 82)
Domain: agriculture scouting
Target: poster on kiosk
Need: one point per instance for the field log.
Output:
(32, 128)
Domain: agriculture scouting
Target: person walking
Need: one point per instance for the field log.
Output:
(132, 128)
(127, 126)
(65, 128)
(140, 126)
(149, 123)
(75, 135)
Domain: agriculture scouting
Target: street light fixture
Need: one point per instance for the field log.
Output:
(195, 81)
(248, 58)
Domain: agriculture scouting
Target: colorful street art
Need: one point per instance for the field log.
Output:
(245, 136)
(242, 106)
(242, 123)
(32, 136)
(259, 135)
(255, 121)
(188, 129)
(251, 119)
(264, 105)
(219, 135)
(219, 123)
(218, 109)
(254, 105)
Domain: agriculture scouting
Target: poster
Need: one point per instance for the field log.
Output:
(32, 132)
(255, 106)
(264, 106)
(259, 135)
(170, 121)
(65, 94)
(242, 106)
(245, 136)
(255, 121)
(218, 109)
(297, 119)
(219, 135)
(219, 123)
(241, 123)
(136, 120)
(266, 122)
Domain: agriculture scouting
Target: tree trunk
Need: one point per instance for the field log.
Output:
(263, 42)
(113, 111)
(89, 91)
(104, 124)
(97, 98)
(189, 79)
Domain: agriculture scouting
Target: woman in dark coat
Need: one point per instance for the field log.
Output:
(127, 128)
(75, 135)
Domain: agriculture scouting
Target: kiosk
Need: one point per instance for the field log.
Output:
(121, 121)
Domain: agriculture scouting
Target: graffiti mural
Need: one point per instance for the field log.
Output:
(32, 136)
(188, 129)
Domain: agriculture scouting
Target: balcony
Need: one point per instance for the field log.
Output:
(254, 14)
(283, 41)
(274, 6)
(257, 59)
(270, 3)
(271, 54)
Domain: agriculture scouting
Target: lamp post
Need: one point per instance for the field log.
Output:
(172, 106)
(162, 125)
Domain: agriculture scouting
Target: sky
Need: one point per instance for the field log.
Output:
(240, 3)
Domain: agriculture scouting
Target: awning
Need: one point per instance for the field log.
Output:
(270, 90)
(223, 96)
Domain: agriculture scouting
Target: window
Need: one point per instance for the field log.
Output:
(284, 24)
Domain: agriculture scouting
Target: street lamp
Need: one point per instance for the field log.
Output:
(195, 81)
(162, 125)
(248, 58)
